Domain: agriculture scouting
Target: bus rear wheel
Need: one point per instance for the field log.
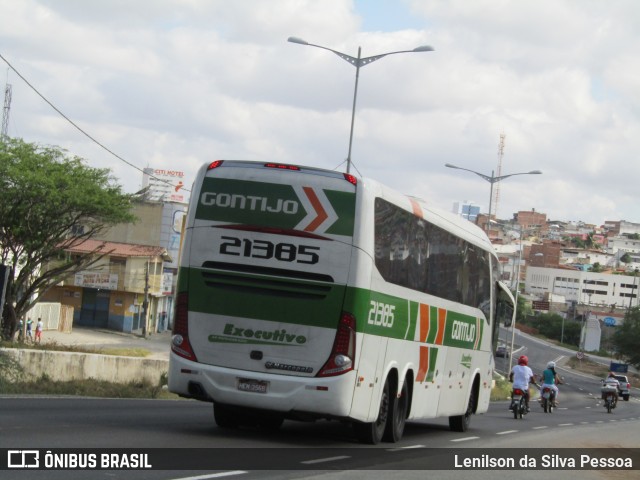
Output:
(225, 417)
(372, 432)
(398, 416)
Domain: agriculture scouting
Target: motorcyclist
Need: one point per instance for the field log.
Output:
(611, 381)
(521, 376)
(551, 379)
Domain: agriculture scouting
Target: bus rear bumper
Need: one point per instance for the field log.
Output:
(324, 397)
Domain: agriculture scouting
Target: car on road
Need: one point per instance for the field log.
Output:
(624, 389)
(503, 351)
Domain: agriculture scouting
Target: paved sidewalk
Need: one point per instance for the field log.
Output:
(157, 343)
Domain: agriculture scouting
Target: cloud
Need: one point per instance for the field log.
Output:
(173, 84)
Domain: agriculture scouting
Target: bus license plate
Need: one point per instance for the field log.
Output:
(250, 385)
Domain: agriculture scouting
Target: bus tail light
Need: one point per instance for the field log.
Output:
(180, 335)
(350, 178)
(344, 348)
(215, 164)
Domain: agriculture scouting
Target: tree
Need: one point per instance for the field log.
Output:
(626, 258)
(49, 202)
(627, 337)
(523, 310)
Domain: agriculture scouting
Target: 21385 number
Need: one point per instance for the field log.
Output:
(263, 249)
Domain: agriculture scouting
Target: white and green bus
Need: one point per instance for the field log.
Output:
(311, 294)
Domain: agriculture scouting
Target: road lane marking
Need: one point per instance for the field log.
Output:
(565, 424)
(506, 432)
(214, 475)
(405, 448)
(324, 460)
(464, 439)
(540, 427)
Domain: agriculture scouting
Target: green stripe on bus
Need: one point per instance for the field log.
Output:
(320, 304)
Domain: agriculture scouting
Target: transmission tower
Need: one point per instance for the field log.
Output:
(498, 173)
(5, 112)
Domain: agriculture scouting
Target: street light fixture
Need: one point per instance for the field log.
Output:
(493, 179)
(357, 62)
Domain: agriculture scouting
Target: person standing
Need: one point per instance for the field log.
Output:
(39, 327)
(29, 337)
(20, 330)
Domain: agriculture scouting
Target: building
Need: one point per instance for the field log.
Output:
(111, 294)
(159, 224)
(545, 254)
(467, 210)
(533, 222)
(621, 227)
(586, 288)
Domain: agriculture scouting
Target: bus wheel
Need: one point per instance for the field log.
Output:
(371, 433)
(270, 422)
(397, 416)
(460, 423)
(225, 417)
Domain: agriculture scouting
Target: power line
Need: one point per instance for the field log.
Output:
(94, 140)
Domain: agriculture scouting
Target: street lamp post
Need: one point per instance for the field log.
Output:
(357, 62)
(492, 179)
(513, 323)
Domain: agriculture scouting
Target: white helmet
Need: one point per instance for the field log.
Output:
(551, 365)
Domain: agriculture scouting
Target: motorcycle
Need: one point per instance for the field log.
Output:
(609, 394)
(518, 405)
(548, 399)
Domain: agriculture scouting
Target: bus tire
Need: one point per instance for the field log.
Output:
(397, 416)
(225, 417)
(270, 422)
(460, 423)
(372, 432)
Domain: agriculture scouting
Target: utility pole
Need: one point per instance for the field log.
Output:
(145, 303)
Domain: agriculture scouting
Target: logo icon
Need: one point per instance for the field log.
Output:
(23, 459)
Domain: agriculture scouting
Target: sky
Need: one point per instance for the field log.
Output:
(172, 84)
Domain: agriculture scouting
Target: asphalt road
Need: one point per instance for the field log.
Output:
(89, 423)
(83, 423)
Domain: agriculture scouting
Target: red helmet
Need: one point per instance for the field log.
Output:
(523, 360)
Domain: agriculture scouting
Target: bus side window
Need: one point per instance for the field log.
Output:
(504, 310)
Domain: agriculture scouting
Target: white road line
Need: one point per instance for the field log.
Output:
(565, 424)
(214, 475)
(465, 439)
(324, 460)
(506, 432)
(405, 448)
(540, 427)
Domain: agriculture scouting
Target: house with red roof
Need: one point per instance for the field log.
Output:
(122, 291)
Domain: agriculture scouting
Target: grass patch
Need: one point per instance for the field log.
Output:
(501, 390)
(599, 370)
(587, 366)
(87, 388)
(55, 347)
